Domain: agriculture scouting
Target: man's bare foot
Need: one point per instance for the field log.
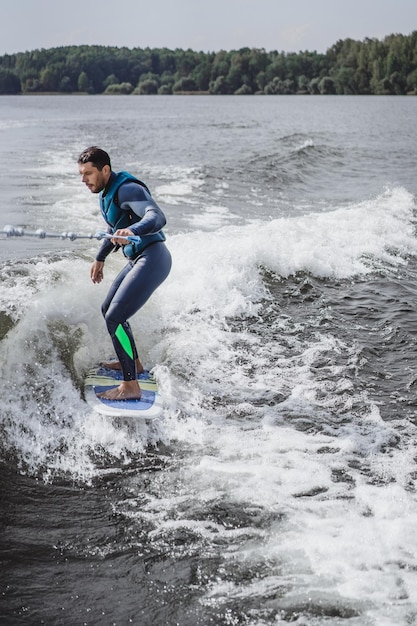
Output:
(115, 365)
(127, 390)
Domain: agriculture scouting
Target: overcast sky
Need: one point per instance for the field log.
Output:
(207, 25)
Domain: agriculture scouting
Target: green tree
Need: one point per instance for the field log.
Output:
(219, 86)
(241, 70)
(9, 82)
(244, 90)
(327, 86)
(165, 90)
(83, 82)
(257, 62)
(377, 76)
(201, 74)
(261, 80)
(303, 84)
(220, 65)
(283, 87)
(168, 61)
(362, 80)
(65, 84)
(119, 89)
(412, 82)
(273, 87)
(348, 67)
(167, 79)
(186, 61)
(313, 86)
(146, 87)
(111, 79)
(31, 85)
(393, 63)
(344, 81)
(399, 83)
(277, 68)
(185, 84)
(50, 77)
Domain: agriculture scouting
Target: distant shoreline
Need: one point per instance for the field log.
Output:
(200, 93)
(349, 67)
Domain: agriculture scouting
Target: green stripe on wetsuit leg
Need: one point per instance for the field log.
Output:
(124, 340)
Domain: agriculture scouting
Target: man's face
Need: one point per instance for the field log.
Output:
(95, 179)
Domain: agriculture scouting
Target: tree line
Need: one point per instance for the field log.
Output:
(372, 66)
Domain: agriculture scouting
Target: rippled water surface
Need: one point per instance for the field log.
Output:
(280, 484)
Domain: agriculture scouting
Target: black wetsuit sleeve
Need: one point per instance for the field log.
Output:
(106, 247)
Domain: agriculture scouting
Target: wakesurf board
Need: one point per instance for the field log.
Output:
(100, 379)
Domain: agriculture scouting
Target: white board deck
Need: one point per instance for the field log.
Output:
(100, 379)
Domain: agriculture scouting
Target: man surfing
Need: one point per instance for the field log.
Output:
(129, 210)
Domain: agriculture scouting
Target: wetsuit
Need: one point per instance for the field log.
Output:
(127, 203)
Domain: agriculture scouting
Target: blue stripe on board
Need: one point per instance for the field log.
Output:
(146, 401)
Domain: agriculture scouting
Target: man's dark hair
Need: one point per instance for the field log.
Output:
(98, 157)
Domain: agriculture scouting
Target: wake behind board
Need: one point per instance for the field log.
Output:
(100, 379)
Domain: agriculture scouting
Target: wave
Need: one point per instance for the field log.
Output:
(53, 331)
(344, 242)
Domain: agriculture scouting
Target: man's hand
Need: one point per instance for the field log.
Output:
(122, 232)
(96, 271)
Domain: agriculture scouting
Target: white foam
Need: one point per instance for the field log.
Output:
(212, 217)
(220, 272)
(181, 184)
(215, 276)
(349, 536)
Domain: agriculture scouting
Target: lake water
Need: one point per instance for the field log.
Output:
(280, 484)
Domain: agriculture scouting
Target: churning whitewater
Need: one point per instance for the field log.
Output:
(280, 484)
